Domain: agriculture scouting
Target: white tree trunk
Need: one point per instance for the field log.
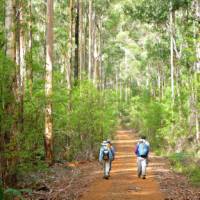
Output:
(48, 134)
(171, 51)
(95, 55)
(90, 42)
(69, 53)
(197, 67)
(22, 52)
(80, 38)
(126, 78)
(100, 52)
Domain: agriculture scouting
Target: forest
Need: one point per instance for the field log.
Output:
(73, 71)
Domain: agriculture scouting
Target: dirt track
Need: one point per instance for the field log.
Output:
(124, 183)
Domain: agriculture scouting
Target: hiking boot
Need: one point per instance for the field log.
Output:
(106, 176)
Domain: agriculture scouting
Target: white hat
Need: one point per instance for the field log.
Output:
(104, 143)
(141, 140)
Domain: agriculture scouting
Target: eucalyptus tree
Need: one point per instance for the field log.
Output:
(8, 109)
(90, 40)
(48, 133)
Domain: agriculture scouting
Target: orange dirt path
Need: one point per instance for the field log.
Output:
(124, 183)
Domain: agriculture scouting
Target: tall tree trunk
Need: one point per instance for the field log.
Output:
(8, 107)
(196, 86)
(30, 46)
(76, 61)
(81, 45)
(86, 34)
(22, 67)
(120, 84)
(9, 29)
(90, 42)
(159, 75)
(69, 56)
(172, 49)
(93, 44)
(100, 53)
(197, 33)
(95, 54)
(48, 134)
(126, 70)
(196, 69)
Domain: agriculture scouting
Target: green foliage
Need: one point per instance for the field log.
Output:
(193, 173)
(177, 4)
(90, 118)
(147, 116)
(7, 103)
(184, 163)
(1, 190)
(12, 193)
(154, 11)
(135, 49)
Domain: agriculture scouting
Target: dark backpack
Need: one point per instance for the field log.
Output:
(105, 154)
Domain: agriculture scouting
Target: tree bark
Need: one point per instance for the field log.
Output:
(76, 61)
(8, 134)
(197, 68)
(81, 45)
(100, 55)
(69, 61)
(48, 134)
(172, 50)
(9, 29)
(95, 56)
(30, 46)
(126, 70)
(22, 67)
(90, 42)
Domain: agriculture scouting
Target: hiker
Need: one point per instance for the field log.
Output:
(142, 151)
(111, 147)
(105, 156)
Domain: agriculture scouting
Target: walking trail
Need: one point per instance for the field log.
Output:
(124, 183)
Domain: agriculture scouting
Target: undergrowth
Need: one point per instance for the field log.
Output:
(185, 163)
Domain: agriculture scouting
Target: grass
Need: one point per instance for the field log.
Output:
(184, 163)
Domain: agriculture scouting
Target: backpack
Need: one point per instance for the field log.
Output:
(106, 154)
(143, 149)
(113, 153)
